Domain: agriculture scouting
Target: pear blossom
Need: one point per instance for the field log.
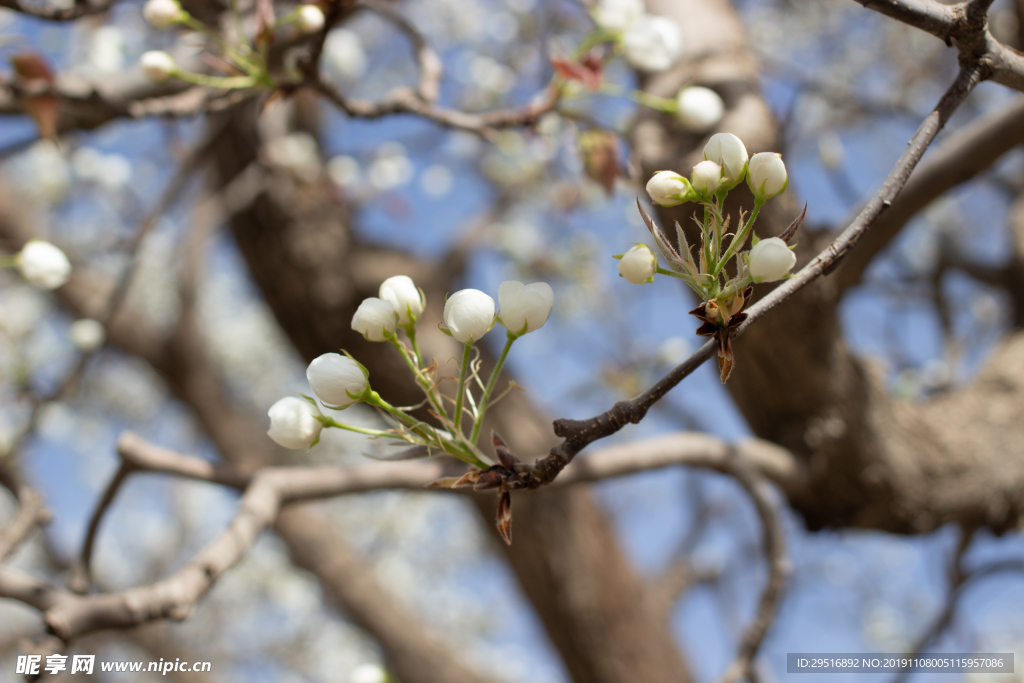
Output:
(705, 178)
(617, 15)
(43, 264)
(468, 315)
(162, 13)
(652, 43)
(368, 673)
(158, 65)
(638, 265)
(293, 423)
(668, 188)
(309, 18)
(87, 334)
(699, 108)
(767, 175)
(728, 151)
(524, 308)
(337, 380)
(770, 259)
(376, 319)
(401, 292)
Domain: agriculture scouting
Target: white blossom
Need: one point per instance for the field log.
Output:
(344, 54)
(668, 188)
(368, 673)
(337, 380)
(770, 259)
(162, 13)
(700, 108)
(87, 334)
(468, 315)
(706, 177)
(309, 18)
(157, 65)
(376, 319)
(652, 43)
(401, 292)
(728, 151)
(524, 308)
(617, 15)
(638, 265)
(43, 264)
(767, 175)
(293, 423)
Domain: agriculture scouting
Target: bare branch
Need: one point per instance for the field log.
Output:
(269, 489)
(778, 571)
(404, 100)
(430, 65)
(31, 513)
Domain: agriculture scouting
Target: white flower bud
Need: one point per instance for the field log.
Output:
(43, 264)
(700, 108)
(293, 423)
(337, 380)
(766, 175)
(668, 188)
(728, 151)
(368, 673)
(158, 65)
(162, 13)
(468, 314)
(706, 176)
(310, 18)
(401, 292)
(638, 265)
(617, 15)
(524, 308)
(769, 260)
(376, 319)
(87, 334)
(652, 43)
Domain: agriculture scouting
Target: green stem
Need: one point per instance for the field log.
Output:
(225, 83)
(596, 37)
(642, 98)
(462, 388)
(490, 387)
(415, 366)
(735, 287)
(739, 239)
(328, 421)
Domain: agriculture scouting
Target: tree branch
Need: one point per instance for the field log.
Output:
(267, 490)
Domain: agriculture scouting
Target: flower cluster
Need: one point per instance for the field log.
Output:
(248, 59)
(339, 381)
(723, 295)
(649, 43)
